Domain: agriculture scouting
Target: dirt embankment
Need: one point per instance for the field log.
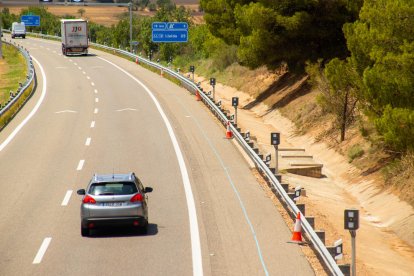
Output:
(385, 240)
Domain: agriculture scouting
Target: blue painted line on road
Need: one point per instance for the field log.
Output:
(246, 216)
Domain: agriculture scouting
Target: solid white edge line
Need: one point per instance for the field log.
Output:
(66, 198)
(80, 165)
(88, 141)
(192, 214)
(34, 110)
(42, 250)
(92, 124)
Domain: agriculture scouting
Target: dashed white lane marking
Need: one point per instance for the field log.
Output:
(75, 63)
(92, 83)
(92, 124)
(42, 250)
(95, 111)
(48, 49)
(192, 214)
(34, 110)
(80, 68)
(70, 60)
(83, 72)
(88, 141)
(65, 111)
(126, 109)
(96, 100)
(80, 165)
(88, 77)
(66, 198)
(96, 91)
(54, 52)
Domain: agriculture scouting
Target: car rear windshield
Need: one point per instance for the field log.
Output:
(113, 188)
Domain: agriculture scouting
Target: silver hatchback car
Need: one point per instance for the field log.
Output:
(116, 199)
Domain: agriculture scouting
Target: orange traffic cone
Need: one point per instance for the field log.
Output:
(229, 134)
(297, 231)
(198, 97)
(137, 61)
(162, 73)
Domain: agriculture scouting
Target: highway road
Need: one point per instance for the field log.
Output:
(101, 113)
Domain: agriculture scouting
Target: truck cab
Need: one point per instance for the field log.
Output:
(18, 30)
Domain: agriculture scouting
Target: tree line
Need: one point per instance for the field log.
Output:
(363, 50)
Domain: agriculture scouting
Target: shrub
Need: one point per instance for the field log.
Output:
(355, 152)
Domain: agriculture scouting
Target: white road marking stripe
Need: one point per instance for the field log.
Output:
(54, 52)
(88, 77)
(93, 84)
(192, 214)
(70, 60)
(96, 91)
(88, 141)
(126, 109)
(95, 111)
(80, 68)
(80, 165)
(75, 63)
(66, 198)
(92, 124)
(65, 111)
(48, 49)
(42, 250)
(84, 72)
(96, 100)
(34, 110)
(61, 67)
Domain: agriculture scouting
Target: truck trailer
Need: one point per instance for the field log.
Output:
(74, 36)
(18, 30)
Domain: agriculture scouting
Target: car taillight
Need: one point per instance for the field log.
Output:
(137, 197)
(89, 199)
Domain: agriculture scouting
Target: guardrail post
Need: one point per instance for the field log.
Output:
(311, 221)
(301, 207)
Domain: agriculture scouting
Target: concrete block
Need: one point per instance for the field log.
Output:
(250, 144)
(291, 195)
(321, 235)
(301, 208)
(256, 150)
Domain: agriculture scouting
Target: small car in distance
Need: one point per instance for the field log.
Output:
(114, 200)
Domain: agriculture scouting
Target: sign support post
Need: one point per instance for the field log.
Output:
(213, 83)
(235, 103)
(275, 141)
(351, 222)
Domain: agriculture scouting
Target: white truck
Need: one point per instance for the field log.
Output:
(74, 36)
(18, 30)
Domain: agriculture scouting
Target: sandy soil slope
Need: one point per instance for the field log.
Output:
(380, 251)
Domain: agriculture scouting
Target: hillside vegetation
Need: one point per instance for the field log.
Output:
(358, 56)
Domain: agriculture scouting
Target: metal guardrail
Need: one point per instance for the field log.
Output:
(260, 164)
(23, 86)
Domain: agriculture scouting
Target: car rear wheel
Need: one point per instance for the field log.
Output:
(84, 232)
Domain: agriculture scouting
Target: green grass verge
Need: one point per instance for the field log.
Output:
(14, 71)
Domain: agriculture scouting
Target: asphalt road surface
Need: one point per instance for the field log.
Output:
(101, 113)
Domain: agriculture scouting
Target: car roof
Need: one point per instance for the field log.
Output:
(113, 177)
